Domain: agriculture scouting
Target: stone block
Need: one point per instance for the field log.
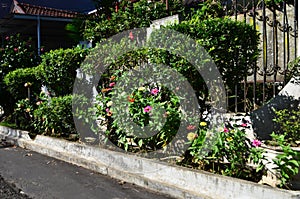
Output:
(262, 118)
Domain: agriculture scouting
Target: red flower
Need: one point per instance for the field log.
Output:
(226, 130)
(16, 49)
(131, 36)
(130, 99)
(190, 127)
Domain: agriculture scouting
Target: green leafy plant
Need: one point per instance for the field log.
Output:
(276, 2)
(58, 69)
(231, 154)
(16, 52)
(164, 100)
(233, 45)
(23, 82)
(287, 162)
(54, 116)
(293, 69)
(145, 106)
(23, 114)
(288, 123)
(129, 16)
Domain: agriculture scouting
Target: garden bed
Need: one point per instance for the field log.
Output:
(177, 181)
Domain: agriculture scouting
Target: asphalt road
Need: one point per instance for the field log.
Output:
(41, 177)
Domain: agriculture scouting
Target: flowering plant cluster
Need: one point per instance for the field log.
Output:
(231, 153)
(23, 113)
(15, 53)
(152, 107)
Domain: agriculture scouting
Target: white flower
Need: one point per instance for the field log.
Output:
(108, 104)
(141, 88)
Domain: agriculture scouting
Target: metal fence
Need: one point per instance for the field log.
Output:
(278, 27)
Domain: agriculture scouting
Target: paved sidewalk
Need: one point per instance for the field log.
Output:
(42, 177)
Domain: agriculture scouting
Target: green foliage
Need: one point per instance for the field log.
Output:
(289, 124)
(230, 155)
(156, 111)
(129, 16)
(293, 69)
(287, 162)
(208, 9)
(15, 53)
(277, 2)
(54, 117)
(23, 114)
(105, 6)
(21, 81)
(233, 45)
(58, 69)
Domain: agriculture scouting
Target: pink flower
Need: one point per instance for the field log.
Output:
(16, 49)
(154, 91)
(244, 125)
(108, 112)
(7, 38)
(131, 36)
(147, 109)
(226, 130)
(190, 127)
(112, 84)
(256, 143)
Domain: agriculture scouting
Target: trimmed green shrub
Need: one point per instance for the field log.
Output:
(21, 81)
(233, 45)
(58, 69)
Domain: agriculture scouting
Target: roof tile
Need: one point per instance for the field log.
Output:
(45, 11)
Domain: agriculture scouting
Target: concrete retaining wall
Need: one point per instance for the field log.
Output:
(176, 181)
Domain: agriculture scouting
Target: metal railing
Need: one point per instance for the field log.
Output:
(277, 25)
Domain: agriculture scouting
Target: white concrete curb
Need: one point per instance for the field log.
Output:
(175, 181)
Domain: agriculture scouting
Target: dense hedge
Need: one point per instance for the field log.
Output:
(233, 45)
(58, 69)
(19, 80)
